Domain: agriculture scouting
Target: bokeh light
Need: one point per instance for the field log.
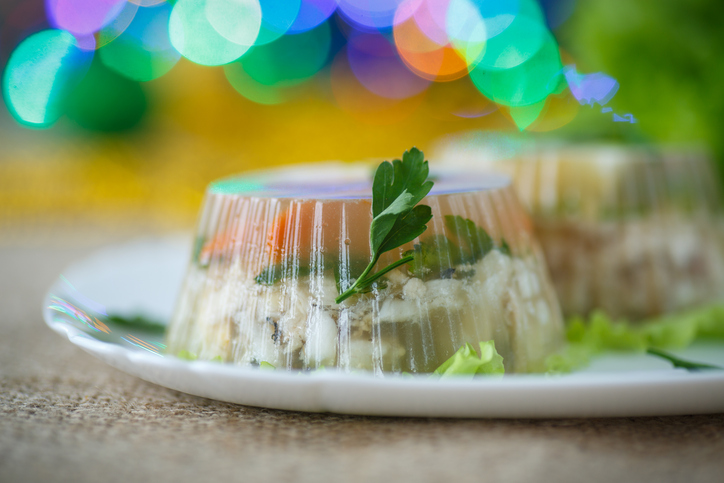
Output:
(458, 99)
(41, 73)
(119, 24)
(312, 13)
(525, 84)
(289, 59)
(522, 40)
(254, 90)
(147, 3)
(235, 20)
(466, 29)
(394, 50)
(559, 110)
(358, 101)
(374, 14)
(276, 18)
(428, 58)
(143, 52)
(214, 32)
(557, 11)
(83, 17)
(375, 63)
(524, 116)
(591, 89)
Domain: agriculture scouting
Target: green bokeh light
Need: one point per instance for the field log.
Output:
(524, 116)
(255, 91)
(289, 59)
(214, 32)
(133, 61)
(236, 20)
(40, 74)
(525, 84)
(235, 186)
(515, 45)
(143, 52)
(119, 24)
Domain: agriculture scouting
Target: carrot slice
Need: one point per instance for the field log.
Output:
(304, 226)
(222, 243)
(308, 225)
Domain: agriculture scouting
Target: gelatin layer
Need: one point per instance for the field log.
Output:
(269, 263)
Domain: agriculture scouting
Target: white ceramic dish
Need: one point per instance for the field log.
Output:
(143, 277)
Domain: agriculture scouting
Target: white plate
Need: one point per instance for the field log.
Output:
(144, 276)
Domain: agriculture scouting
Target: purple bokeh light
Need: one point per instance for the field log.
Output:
(312, 13)
(590, 88)
(375, 63)
(82, 17)
(375, 14)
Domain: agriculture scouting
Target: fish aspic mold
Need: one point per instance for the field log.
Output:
(338, 266)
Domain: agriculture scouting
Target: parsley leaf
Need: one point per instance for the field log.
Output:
(439, 257)
(397, 188)
(475, 242)
(137, 322)
(433, 258)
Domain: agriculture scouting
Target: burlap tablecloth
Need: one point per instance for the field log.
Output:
(65, 416)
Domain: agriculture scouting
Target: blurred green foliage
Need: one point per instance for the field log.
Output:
(668, 58)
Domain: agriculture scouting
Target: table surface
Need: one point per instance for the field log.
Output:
(65, 416)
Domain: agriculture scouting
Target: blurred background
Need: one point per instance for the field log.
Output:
(116, 114)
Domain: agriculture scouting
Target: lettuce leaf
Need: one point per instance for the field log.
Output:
(186, 355)
(466, 362)
(600, 333)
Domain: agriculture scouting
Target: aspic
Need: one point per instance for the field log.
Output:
(337, 266)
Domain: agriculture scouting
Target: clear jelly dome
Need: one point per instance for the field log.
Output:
(275, 248)
(635, 231)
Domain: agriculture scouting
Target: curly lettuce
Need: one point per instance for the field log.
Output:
(466, 362)
(600, 333)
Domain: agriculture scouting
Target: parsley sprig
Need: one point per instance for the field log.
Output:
(679, 362)
(397, 189)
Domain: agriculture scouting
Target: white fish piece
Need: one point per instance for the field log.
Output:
(320, 348)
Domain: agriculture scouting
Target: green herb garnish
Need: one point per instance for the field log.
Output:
(475, 242)
(466, 362)
(438, 257)
(196, 254)
(680, 363)
(137, 322)
(266, 365)
(505, 248)
(432, 258)
(396, 190)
